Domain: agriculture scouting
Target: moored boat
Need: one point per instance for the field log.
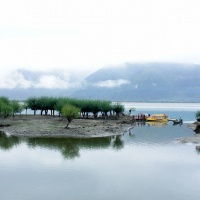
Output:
(158, 118)
(180, 121)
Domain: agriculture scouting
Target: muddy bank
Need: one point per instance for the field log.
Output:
(194, 139)
(48, 126)
(195, 127)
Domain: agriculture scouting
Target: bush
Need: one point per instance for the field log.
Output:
(70, 112)
(118, 108)
(197, 114)
(5, 107)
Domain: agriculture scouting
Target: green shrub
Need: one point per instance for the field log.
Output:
(70, 112)
(118, 108)
(5, 107)
(197, 114)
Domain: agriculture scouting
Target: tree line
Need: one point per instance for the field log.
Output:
(48, 105)
(8, 107)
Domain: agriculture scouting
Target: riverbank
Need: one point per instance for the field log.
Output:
(194, 139)
(49, 126)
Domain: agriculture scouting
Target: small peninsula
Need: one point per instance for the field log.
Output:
(54, 126)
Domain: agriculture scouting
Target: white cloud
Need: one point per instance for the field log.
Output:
(16, 79)
(13, 80)
(50, 82)
(112, 83)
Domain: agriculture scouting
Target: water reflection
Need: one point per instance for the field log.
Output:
(148, 123)
(156, 133)
(148, 133)
(198, 149)
(68, 147)
(7, 143)
(118, 143)
(157, 124)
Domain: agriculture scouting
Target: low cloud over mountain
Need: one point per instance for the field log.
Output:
(23, 79)
(144, 82)
(22, 84)
(112, 83)
(130, 82)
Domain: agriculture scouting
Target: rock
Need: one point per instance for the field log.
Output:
(198, 148)
(195, 127)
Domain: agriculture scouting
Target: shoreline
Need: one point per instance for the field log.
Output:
(192, 139)
(54, 126)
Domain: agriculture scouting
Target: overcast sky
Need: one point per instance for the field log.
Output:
(85, 35)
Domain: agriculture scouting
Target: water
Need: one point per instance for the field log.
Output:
(146, 163)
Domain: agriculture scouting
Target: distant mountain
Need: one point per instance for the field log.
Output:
(150, 82)
(153, 82)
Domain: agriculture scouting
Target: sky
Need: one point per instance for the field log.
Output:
(78, 37)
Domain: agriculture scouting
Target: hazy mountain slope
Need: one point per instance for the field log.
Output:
(144, 82)
(130, 82)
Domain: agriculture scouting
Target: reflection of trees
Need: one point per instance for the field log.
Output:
(65, 146)
(118, 143)
(69, 147)
(198, 149)
(6, 142)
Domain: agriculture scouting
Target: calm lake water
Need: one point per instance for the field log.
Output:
(147, 163)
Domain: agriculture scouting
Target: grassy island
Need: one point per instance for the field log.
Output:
(87, 118)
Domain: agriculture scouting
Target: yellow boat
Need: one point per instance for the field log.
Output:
(158, 118)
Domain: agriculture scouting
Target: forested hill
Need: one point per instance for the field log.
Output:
(144, 82)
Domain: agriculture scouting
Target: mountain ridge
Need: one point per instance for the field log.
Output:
(145, 82)
(139, 82)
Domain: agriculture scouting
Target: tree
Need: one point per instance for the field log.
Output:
(70, 112)
(118, 108)
(15, 107)
(5, 107)
(105, 108)
(197, 114)
(32, 103)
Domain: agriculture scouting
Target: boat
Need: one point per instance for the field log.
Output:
(180, 121)
(158, 118)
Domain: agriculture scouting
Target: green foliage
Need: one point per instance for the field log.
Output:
(16, 107)
(32, 103)
(43, 103)
(118, 108)
(106, 107)
(86, 106)
(197, 114)
(5, 107)
(46, 104)
(70, 112)
(61, 102)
